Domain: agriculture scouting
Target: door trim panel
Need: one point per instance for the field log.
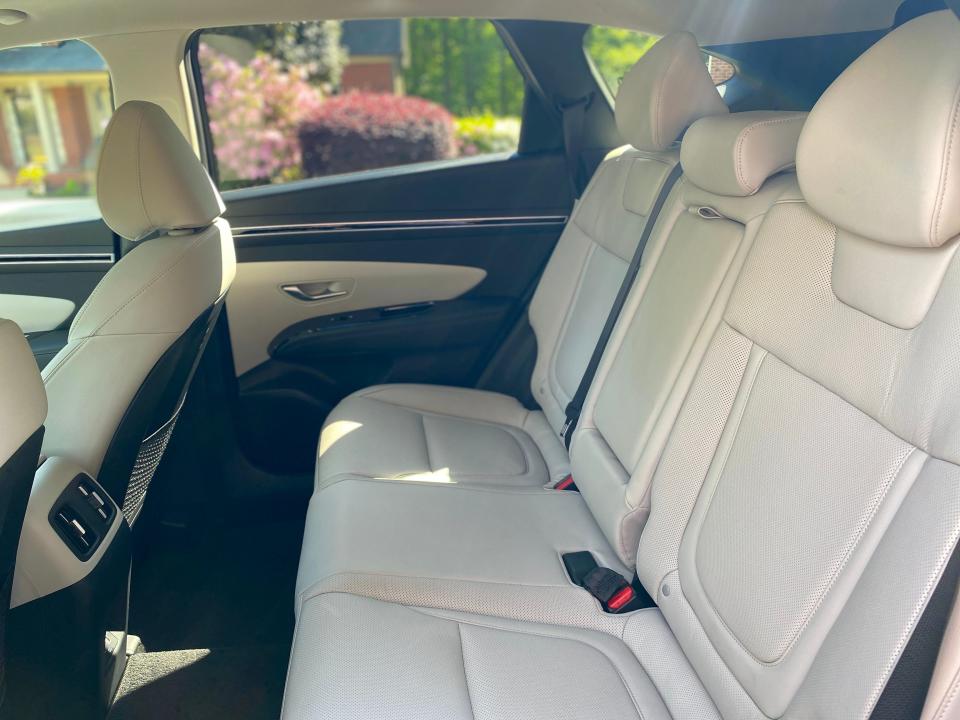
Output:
(57, 258)
(366, 226)
(259, 309)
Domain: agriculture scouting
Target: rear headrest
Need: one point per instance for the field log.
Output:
(148, 177)
(880, 153)
(735, 154)
(664, 92)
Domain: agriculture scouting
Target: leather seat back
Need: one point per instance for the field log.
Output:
(116, 389)
(808, 500)
(23, 407)
(666, 91)
(689, 268)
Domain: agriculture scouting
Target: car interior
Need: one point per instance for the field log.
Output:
(422, 359)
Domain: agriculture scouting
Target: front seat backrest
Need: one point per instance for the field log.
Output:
(116, 389)
(23, 406)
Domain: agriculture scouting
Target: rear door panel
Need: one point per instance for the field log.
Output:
(437, 262)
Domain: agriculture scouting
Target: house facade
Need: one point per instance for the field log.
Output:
(55, 102)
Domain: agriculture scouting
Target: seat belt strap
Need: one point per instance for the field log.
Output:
(908, 684)
(575, 406)
(574, 113)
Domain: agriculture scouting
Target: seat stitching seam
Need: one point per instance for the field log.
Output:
(139, 159)
(498, 583)
(949, 697)
(742, 140)
(493, 488)
(947, 154)
(534, 633)
(833, 579)
(176, 261)
(438, 413)
(463, 664)
(836, 573)
(843, 398)
(744, 385)
(315, 589)
(726, 421)
(63, 361)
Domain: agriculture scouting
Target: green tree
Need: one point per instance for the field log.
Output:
(463, 65)
(615, 50)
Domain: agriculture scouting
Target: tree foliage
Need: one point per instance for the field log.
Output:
(255, 112)
(615, 50)
(313, 46)
(363, 130)
(463, 65)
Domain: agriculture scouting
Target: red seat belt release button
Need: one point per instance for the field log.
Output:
(565, 484)
(621, 599)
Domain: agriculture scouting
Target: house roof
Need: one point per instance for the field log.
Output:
(372, 37)
(70, 56)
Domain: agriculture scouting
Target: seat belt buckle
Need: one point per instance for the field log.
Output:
(566, 484)
(610, 589)
(565, 428)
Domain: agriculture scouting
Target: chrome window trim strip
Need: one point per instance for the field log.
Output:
(57, 258)
(400, 225)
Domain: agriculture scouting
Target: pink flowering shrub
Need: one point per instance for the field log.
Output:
(362, 130)
(255, 111)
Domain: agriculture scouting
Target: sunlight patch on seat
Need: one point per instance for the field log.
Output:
(334, 432)
(436, 476)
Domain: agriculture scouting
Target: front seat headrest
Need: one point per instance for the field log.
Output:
(665, 92)
(879, 155)
(148, 177)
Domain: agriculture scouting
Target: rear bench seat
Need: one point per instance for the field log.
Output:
(478, 540)
(441, 434)
(807, 498)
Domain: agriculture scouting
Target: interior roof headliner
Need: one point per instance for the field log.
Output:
(712, 21)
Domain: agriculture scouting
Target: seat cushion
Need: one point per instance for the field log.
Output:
(458, 547)
(354, 657)
(435, 434)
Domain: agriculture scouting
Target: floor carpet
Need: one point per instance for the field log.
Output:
(228, 586)
(240, 683)
(222, 585)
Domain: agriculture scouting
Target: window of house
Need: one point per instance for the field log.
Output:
(55, 102)
(613, 51)
(292, 101)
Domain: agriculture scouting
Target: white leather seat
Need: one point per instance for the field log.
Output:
(401, 540)
(455, 435)
(23, 407)
(116, 388)
(808, 497)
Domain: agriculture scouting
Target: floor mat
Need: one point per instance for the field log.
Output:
(239, 683)
(219, 585)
